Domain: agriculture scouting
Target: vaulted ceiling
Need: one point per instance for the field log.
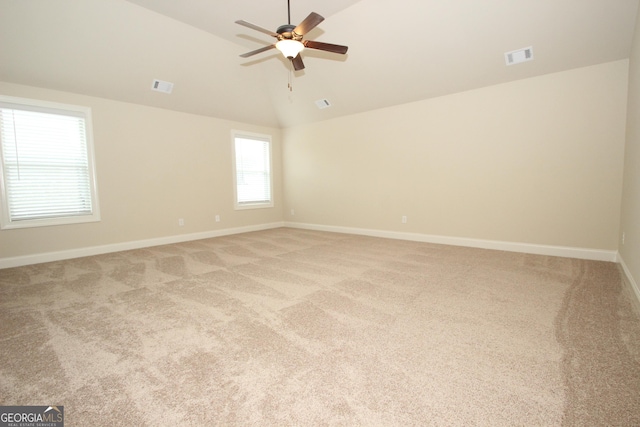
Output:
(399, 50)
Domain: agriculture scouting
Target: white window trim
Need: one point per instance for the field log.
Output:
(257, 205)
(5, 218)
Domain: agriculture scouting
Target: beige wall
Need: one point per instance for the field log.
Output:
(153, 167)
(630, 222)
(537, 161)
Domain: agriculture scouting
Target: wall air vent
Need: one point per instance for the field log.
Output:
(323, 103)
(518, 56)
(160, 86)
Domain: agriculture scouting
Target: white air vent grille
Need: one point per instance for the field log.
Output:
(323, 103)
(518, 56)
(160, 86)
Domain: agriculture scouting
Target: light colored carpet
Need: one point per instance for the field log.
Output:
(294, 327)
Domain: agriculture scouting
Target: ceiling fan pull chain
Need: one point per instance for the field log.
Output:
(290, 83)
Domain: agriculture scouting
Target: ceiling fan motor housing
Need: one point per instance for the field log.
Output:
(286, 31)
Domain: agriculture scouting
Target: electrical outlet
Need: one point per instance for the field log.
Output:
(293, 212)
(217, 218)
(404, 219)
(181, 222)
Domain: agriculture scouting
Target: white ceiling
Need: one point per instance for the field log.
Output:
(399, 50)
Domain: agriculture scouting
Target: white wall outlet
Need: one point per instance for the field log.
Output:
(181, 222)
(293, 212)
(217, 218)
(404, 219)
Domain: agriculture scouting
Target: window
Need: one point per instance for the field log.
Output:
(46, 155)
(252, 161)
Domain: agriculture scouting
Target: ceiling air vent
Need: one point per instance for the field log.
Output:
(160, 86)
(323, 103)
(518, 56)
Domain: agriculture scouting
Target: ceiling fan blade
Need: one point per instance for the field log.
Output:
(309, 23)
(297, 63)
(254, 52)
(256, 27)
(335, 48)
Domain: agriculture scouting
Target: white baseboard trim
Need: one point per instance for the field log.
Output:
(581, 253)
(560, 251)
(630, 279)
(125, 246)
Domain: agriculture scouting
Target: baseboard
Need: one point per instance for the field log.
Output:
(630, 279)
(581, 253)
(560, 251)
(125, 246)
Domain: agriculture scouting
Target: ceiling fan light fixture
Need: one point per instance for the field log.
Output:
(290, 39)
(290, 48)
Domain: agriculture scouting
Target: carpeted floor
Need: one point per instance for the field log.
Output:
(294, 327)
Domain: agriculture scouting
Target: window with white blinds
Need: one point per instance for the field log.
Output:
(47, 164)
(253, 181)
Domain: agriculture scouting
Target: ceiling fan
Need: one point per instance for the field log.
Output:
(290, 39)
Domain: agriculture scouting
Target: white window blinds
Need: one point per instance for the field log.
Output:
(47, 171)
(253, 170)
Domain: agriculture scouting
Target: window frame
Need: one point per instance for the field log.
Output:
(258, 137)
(6, 223)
